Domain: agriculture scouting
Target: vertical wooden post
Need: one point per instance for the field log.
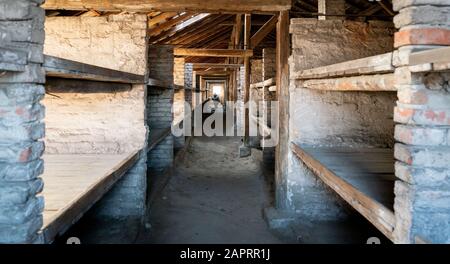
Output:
(247, 33)
(283, 52)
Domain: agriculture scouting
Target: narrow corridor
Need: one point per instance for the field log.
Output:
(213, 196)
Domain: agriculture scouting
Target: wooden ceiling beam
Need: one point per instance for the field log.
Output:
(167, 25)
(216, 65)
(200, 32)
(190, 30)
(233, 6)
(263, 31)
(179, 28)
(213, 52)
(161, 18)
(218, 36)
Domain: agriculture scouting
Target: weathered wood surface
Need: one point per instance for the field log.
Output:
(62, 68)
(235, 6)
(213, 52)
(266, 83)
(371, 83)
(363, 177)
(75, 182)
(430, 60)
(365, 66)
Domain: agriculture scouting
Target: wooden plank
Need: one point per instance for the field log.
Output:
(12, 59)
(282, 95)
(438, 55)
(234, 6)
(268, 82)
(167, 25)
(161, 18)
(263, 31)
(370, 83)
(213, 52)
(75, 182)
(62, 68)
(369, 65)
(364, 178)
(190, 23)
(200, 65)
(247, 45)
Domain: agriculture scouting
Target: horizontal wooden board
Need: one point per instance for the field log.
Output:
(363, 177)
(62, 68)
(237, 6)
(75, 182)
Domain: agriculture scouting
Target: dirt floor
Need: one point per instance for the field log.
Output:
(213, 196)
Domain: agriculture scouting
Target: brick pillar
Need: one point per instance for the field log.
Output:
(422, 202)
(188, 82)
(333, 7)
(21, 125)
(159, 105)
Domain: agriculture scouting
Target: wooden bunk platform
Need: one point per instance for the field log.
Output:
(75, 182)
(363, 177)
(368, 74)
(68, 69)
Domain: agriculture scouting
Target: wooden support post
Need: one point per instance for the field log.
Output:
(283, 52)
(247, 32)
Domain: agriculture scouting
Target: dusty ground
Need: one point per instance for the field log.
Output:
(213, 196)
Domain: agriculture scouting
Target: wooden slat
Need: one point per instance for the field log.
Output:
(266, 83)
(62, 68)
(180, 27)
(263, 31)
(370, 83)
(167, 25)
(247, 45)
(213, 52)
(74, 183)
(438, 55)
(237, 6)
(369, 65)
(216, 65)
(364, 178)
(161, 18)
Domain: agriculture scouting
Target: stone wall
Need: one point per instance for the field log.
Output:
(324, 118)
(94, 117)
(21, 123)
(422, 202)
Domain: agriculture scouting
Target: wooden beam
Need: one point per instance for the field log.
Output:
(181, 27)
(90, 13)
(247, 45)
(263, 31)
(282, 57)
(62, 68)
(237, 39)
(165, 26)
(386, 8)
(213, 53)
(232, 6)
(370, 11)
(216, 65)
(201, 32)
(161, 18)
